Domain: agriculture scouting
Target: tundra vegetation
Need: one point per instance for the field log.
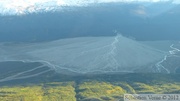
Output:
(86, 88)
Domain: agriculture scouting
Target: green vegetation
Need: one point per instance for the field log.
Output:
(44, 92)
(88, 87)
(61, 91)
(160, 88)
(100, 90)
(129, 89)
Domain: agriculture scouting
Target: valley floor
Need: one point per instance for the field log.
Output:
(90, 87)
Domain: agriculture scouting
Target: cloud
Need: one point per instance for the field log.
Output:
(140, 11)
(12, 7)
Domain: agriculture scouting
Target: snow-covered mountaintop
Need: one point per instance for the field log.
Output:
(14, 7)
